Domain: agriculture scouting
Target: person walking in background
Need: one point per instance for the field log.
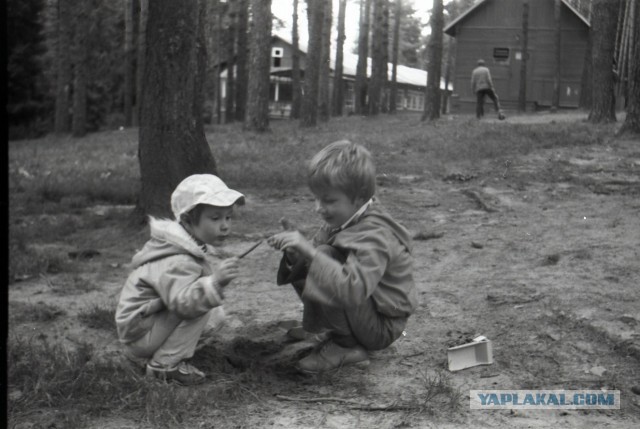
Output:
(482, 85)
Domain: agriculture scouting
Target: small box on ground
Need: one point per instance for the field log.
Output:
(478, 352)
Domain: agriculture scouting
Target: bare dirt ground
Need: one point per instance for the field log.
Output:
(540, 254)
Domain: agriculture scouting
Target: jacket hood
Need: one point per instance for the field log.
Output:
(377, 213)
(168, 238)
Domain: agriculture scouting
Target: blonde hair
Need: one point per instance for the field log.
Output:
(345, 166)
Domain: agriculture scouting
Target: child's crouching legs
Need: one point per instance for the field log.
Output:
(171, 339)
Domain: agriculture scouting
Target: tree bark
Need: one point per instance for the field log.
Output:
(259, 69)
(379, 57)
(394, 57)
(522, 91)
(128, 62)
(434, 66)
(309, 112)
(338, 84)
(63, 67)
(172, 143)
(632, 121)
(603, 30)
(241, 60)
(229, 112)
(142, 47)
(324, 97)
(557, 7)
(360, 86)
(296, 100)
(80, 81)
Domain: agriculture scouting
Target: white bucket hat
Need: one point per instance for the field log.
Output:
(202, 189)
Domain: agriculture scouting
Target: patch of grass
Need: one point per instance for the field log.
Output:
(99, 317)
(72, 284)
(23, 312)
(27, 261)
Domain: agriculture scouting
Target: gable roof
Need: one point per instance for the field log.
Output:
(450, 29)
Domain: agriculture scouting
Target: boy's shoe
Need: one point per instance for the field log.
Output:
(299, 334)
(331, 356)
(183, 373)
(501, 116)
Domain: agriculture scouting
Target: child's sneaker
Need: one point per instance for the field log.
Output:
(183, 373)
(331, 356)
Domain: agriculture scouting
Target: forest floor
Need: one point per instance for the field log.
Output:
(539, 254)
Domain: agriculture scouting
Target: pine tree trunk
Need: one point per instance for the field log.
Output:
(172, 143)
(63, 68)
(128, 62)
(296, 100)
(338, 84)
(80, 54)
(632, 121)
(604, 37)
(522, 91)
(555, 103)
(379, 57)
(434, 66)
(360, 86)
(324, 96)
(394, 57)
(259, 67)
(229, 113)
(586, 80)
(309, 112)
(142, 47)
(241, 62)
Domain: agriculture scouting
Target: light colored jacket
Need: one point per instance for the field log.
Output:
(481, 79)
(378, 265)
(170, 272)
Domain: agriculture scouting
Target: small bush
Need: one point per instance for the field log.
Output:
(99, 317)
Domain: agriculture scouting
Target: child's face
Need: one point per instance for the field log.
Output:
(335, 206)
(214, 224)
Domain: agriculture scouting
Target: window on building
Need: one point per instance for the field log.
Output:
(277, 54)
(501, 55)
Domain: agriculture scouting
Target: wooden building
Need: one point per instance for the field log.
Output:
(411, 81)
(492, 30)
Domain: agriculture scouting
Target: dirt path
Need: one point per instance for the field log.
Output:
(541, 256)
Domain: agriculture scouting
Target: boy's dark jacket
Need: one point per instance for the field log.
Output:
(378, 264)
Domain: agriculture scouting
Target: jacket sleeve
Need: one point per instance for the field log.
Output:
(187, 292)
(350, 283)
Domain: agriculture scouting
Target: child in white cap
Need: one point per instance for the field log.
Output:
(178, 277)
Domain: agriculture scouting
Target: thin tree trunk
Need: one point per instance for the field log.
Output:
(229, 113)
(309, 113)
(296, 100)
(324, 101)
(142, 46)
(434, 66)
(522, 91)
(80, 53)
(63, 67)
(338, 84)
(259, 69)
(360, 87)
(604, 38)
(172, 143)
(379, 57)
(394, 57)
(555, 103)
(128, 62)
(241, 63)
(586, 81)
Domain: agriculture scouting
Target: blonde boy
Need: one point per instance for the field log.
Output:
(178, 278)
(355, 277)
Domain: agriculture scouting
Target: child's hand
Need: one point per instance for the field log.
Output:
(292, 241)
(227, 271)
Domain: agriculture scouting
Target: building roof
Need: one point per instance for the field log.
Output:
(405, 75)
(450, 29)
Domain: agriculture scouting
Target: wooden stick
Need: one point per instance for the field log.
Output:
(251, 249)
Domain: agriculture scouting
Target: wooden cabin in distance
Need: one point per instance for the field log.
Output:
(411, 82)
(492, 30)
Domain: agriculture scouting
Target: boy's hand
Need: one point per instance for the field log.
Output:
(227, 271)
(292, 241)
